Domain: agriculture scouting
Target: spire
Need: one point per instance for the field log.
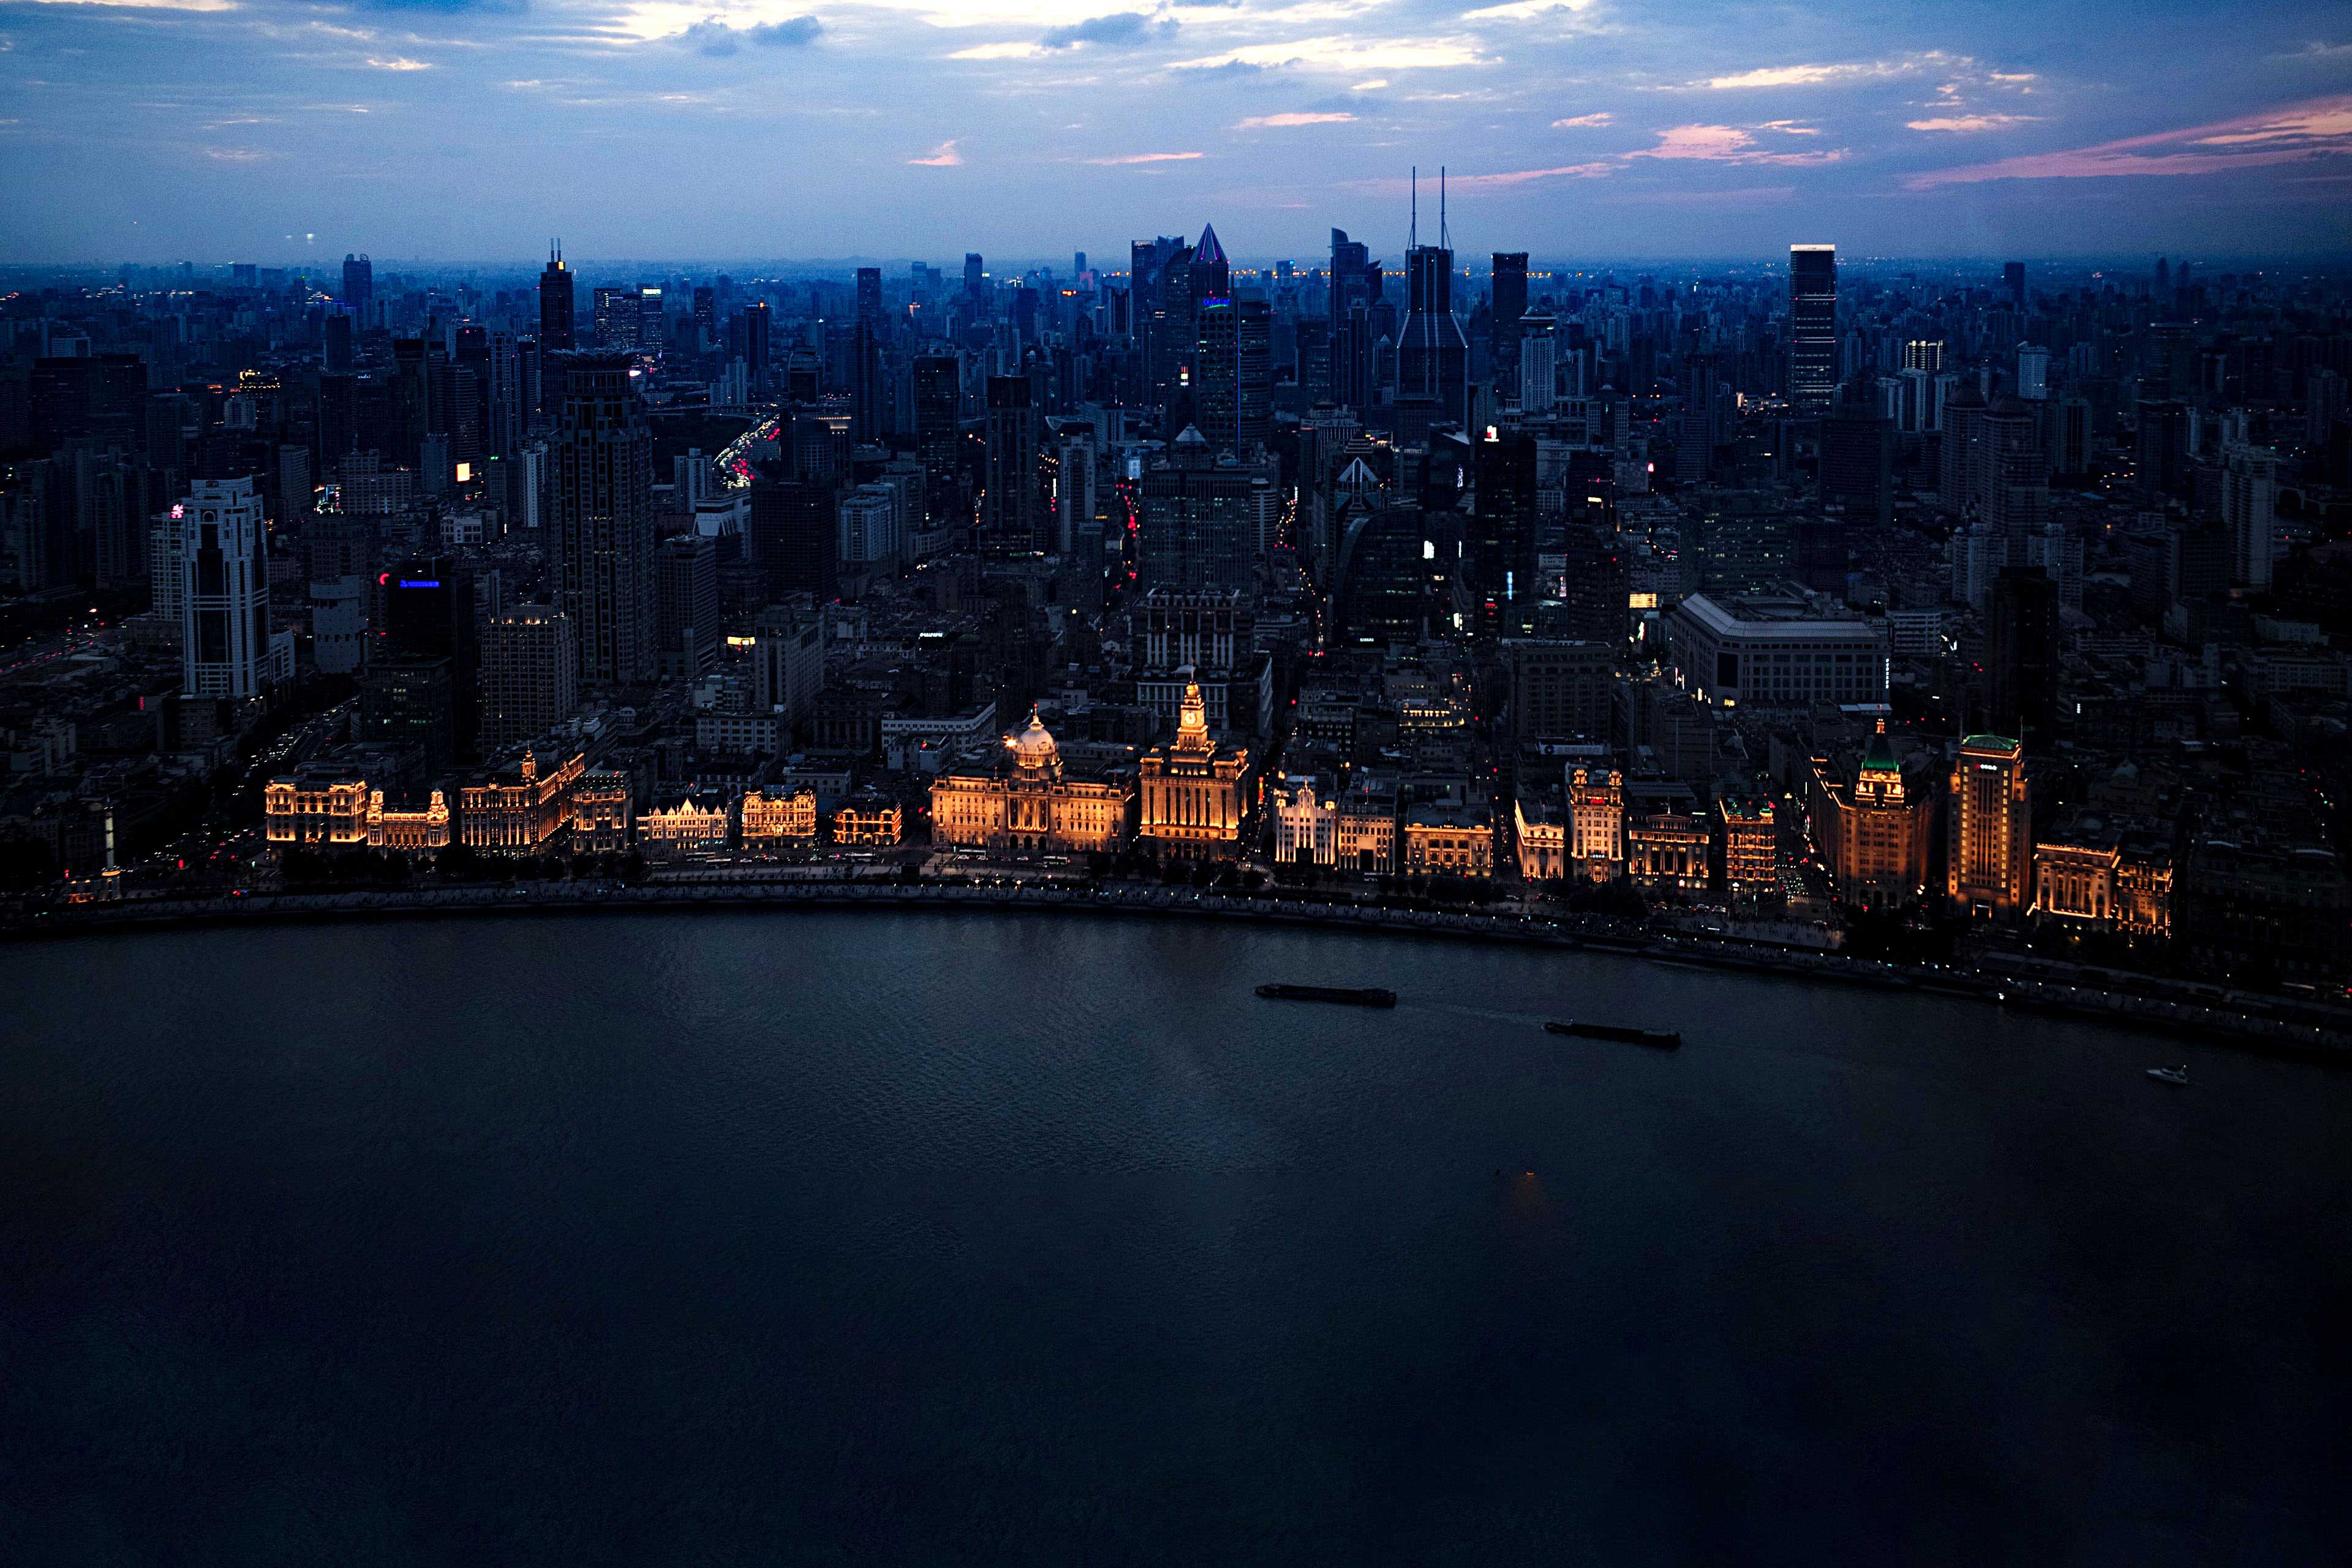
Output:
(1445, 239)
(1209, 250)
(1413, 240)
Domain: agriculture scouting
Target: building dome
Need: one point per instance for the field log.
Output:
(1033, 747)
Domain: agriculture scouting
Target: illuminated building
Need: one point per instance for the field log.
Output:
(1022, 802)
(601, 812)
(778, 816)
(1666, 851)
(1306, 823)
(1441, 837)
(1540, 826)
(869, 820)
(1991, 851)
(520, 810)
(1813, 327)
(421, 831)
(1194, 792)
(323, 804)
(2089, 876)
(1366, 830)
(1750, 843)
(1873, 833)
(686, 828)
(1596, 823)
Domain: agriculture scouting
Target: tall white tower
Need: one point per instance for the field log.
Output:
(226, 646)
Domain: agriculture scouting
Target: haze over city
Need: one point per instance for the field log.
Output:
(162, 129)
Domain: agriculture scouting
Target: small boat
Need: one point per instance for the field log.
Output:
(1657, 1040)
(1363, 996)
(2170, 1075)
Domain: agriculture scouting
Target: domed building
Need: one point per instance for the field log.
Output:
(1024, 801)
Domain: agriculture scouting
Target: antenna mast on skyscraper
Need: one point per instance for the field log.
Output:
(1445, 239)
(1413, 240)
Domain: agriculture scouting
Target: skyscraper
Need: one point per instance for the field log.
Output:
(530, 675)
(1510, 309)
(866, 386)
(1011, 520)
(937, 399)
(619, 316)
(1813, 327)
(794, 536)
(1433, 356)
(359, 287)
(1233, 373)
(429, 614)
(975, 280)
(602, 459)
(1991, 855)
(226, 646)
(555, 326)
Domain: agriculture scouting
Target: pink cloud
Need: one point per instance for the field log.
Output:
(1727, 144)
(1148, 158)
(1582, 121)
(2295, 133)
(943, 156)
(1283, 121)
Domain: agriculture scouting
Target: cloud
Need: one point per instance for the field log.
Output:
(1372, 86)
(1965, 123)
(152, 4)
(1522, 176)
(1523, 10)
(714, 38)
(943, 156)
(402, 63)
(1122, 29)
(1283, 121)
(1797, 76)
(998, 52)
(2293, 133)
(1338, 54)
(1725, 145)
(1148, 158)
(1583, 121)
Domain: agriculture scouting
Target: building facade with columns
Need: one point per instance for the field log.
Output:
(1195, 793)
(1024, 801)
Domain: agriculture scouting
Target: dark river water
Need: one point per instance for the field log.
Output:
(889, 1237)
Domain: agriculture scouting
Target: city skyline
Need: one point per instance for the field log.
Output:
(264, 129)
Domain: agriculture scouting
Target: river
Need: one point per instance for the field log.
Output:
(851, 1235)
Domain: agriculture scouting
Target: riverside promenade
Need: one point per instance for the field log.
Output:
(2259, 1023)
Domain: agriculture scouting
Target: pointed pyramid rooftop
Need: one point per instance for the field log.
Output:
(1880, 757)
(1209, 250)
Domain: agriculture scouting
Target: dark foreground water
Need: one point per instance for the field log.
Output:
(820, 1237)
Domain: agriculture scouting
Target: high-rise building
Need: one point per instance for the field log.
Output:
(600, 507)
(1502, 532)
(1234, 383)
(937, 396)
(1355, 293)
(1012, 519)
(530, 676)
(619, 319)
(227, 649)
(686, 604)
(1194, 793)
(1857, 466)
(555, 326)
(1433, 357)
(2013, 281)
(975, 279)
(2162, 450)
(359, 287)
(794, 533)
(1195, 525)
(1509, 314)
(787, 662)
(428, 612)
(1872, 827)
(1990, 865)
(2022, 650)
(867, 390)
(1813, 357)
(2249, 511)
(1539, 366)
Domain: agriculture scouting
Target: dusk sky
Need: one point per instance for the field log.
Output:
(280, 132)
